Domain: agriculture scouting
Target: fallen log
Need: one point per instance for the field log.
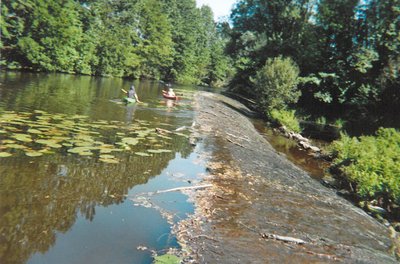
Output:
(185, 188)
(283, 238)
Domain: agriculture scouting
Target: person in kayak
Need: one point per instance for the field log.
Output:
(132, 94)
(171, 92)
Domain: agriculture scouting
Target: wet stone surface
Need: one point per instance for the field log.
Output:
(263, 209)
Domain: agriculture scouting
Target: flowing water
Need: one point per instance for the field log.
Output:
(73, 160)
(77, 166)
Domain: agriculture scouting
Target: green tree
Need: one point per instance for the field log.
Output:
(155, 46)
(42, 35)
(276, 84)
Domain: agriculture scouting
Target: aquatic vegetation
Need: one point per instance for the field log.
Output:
(38, 133)
(371, 163)
(286, 118)
(167, 259)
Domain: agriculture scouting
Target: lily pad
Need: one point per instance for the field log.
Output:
(22, 137)
(34, 131)
(15, 146)
(83, 144)
(85, 153)
(5, 154)
(49, 142)
(114, 161)
(33, 153)
(79, 150)
(107, 156)
(130, 141)
(166, 259)
(159, 150)
(143, 154)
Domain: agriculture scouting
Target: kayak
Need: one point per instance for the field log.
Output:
(165, 95)
(129, 100)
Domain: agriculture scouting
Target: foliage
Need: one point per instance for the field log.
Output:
(276, 84)
(371, 163)
(167, 259)
(162, 39)
(348, 51)
(286, 118)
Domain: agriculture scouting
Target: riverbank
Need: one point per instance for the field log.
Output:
(261, 208)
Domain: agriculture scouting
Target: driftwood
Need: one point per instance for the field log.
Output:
(286, 239)
(233, 142)
(283, 238)
(185, 188)
(321, 255)
(162, 131)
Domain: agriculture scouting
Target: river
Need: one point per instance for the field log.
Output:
(80, 171)
(73, 160)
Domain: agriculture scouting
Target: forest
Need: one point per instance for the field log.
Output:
(329, 61)
(158, 39)
(323, 57)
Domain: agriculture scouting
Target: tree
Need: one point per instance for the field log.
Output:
(276, 84)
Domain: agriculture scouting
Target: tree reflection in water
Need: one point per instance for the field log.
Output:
(41, 197)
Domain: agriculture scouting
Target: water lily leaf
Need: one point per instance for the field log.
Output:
(46, 151)
(84, 144)
(166, 259)
(15, 146)
(109, 160)
(5, 154)
(8, 141)
(78, 150)
(130, 141)
(33, 153)
(34, 131)
(49, 142)
(3, 131)
(22, 137)
(107, 156)
(143, 154)
(79, 117)
(11, 128)
(159, 150)
(85, 153)
(83, 137)
(67, 144)
(54, 145)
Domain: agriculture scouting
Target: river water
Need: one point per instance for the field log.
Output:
(77, 166)
(73, 161)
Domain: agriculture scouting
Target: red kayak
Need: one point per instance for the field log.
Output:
(170, 97)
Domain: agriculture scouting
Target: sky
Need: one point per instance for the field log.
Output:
(219, 7)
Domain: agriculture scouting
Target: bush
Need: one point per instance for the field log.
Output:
(276, 84)
(286, 118)
(371, 163)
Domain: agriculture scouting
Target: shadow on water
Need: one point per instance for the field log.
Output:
(316, 168)
(68, 207)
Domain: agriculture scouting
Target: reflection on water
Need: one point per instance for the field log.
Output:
(67, 208)
(317, 168)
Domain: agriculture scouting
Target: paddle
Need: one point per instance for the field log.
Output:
(139, 102)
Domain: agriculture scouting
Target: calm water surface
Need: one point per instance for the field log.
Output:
(77, 207)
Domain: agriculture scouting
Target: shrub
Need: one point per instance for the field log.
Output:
(286, 118)
(276, 84)
(371, 163)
